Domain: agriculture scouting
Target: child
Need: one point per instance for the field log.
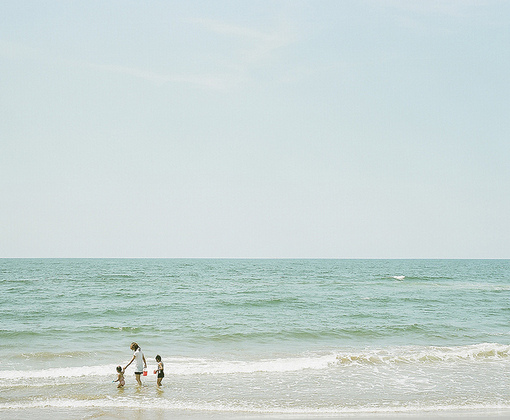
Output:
(160, 372)
(120, 377)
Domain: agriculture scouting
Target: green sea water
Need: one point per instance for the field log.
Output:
(291, 337)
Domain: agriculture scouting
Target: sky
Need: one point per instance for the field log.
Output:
(255, 129)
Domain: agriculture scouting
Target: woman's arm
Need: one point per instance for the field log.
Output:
(130, 363)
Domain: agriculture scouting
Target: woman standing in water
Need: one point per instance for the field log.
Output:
(140, 363)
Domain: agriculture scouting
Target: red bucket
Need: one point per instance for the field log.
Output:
(144, 373)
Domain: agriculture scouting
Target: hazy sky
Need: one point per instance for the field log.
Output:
(320, 129)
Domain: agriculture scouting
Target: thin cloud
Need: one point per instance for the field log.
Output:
(259, 44)
(228, 29)
(197, 80)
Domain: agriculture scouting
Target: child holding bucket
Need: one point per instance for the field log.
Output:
(160, 370)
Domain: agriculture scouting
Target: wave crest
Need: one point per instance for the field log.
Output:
(430, 354)
(477, 353)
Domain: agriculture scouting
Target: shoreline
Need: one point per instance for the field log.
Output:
(116, 413)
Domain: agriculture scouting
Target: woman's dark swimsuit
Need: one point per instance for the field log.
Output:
(161, 374)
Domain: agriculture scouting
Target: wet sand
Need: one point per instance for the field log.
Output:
(159, 414)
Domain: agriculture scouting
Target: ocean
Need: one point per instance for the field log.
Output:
(244, 339)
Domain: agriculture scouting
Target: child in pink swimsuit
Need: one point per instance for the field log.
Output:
(120, 377)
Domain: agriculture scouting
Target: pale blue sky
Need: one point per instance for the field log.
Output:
(319, 129)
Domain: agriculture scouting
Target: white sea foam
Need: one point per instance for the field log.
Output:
(196, 366)
(183, 366)
(429, 354)
(291, 364)
(65, 372)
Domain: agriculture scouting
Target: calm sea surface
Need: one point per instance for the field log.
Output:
(254, 337)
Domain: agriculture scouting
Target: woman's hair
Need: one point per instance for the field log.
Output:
(158, 358)
(119, 369)
(134, 346)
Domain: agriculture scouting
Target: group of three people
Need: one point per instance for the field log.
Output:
(140, 366)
